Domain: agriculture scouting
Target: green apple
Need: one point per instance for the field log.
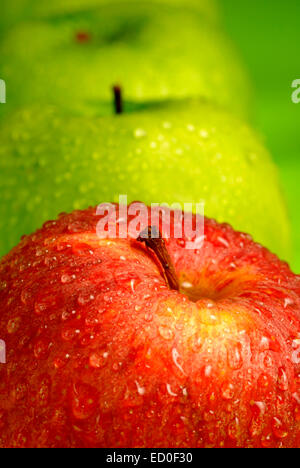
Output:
(289, 168)
(154, 51)
(13, 11)
(51, 161)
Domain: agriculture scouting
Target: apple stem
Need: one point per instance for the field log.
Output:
(118, 101)
(152, 237)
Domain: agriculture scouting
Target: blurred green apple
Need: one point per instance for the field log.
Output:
(13, 11)
(289, 168)
(154, 51)
(52, 161)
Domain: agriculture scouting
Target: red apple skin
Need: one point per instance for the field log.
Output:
(101, 353)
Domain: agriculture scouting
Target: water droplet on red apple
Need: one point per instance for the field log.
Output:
(263, 381)
(196, 343)
(51, 262)
(44, 391)
(279, 428)
(76, 227)
(69, 333)
(255, 427)
(297, 413)
(87, 339)
(62, 246)
(116, 366)
(288, 302)
(221, 242)
(207, 371)
(208, 416)
(45, 305)
(295, 357)
(148, 316)
(20, 391)
(282, 381)
(41, 348)
(13, 325)
(208, 315)
(26, 296)
(177, 360)
(233, 428)
(258, 409)
(61, 361)
(98, 360)
(266, 441)
(82, 249)
(170, 391)
(140, 389)
(85, 298)
(65, 278)
(84, 400)
(186, 285)
(234, 357)
(268, 361)
(3, 285)
(165, 332)
(227, 391)
(264, 343)
(39, 252)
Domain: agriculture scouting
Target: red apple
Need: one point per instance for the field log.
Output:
(102, 352)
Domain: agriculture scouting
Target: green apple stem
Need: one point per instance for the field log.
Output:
(152, 237)
(118, 101)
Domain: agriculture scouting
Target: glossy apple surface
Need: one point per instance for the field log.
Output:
(101, 353)
(153, 51)
(183, 152)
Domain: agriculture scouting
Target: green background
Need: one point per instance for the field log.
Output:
(268, 35)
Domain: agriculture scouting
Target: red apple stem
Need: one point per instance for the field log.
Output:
(152, 238)
(118, 101)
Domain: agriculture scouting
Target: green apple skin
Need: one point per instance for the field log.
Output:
(289, 168)
(52, 162)
(154, 52)
(14, 11)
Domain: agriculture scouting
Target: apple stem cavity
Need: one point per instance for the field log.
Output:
(118, 100)
(153, 240)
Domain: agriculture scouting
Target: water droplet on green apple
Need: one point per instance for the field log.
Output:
(140, 133)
